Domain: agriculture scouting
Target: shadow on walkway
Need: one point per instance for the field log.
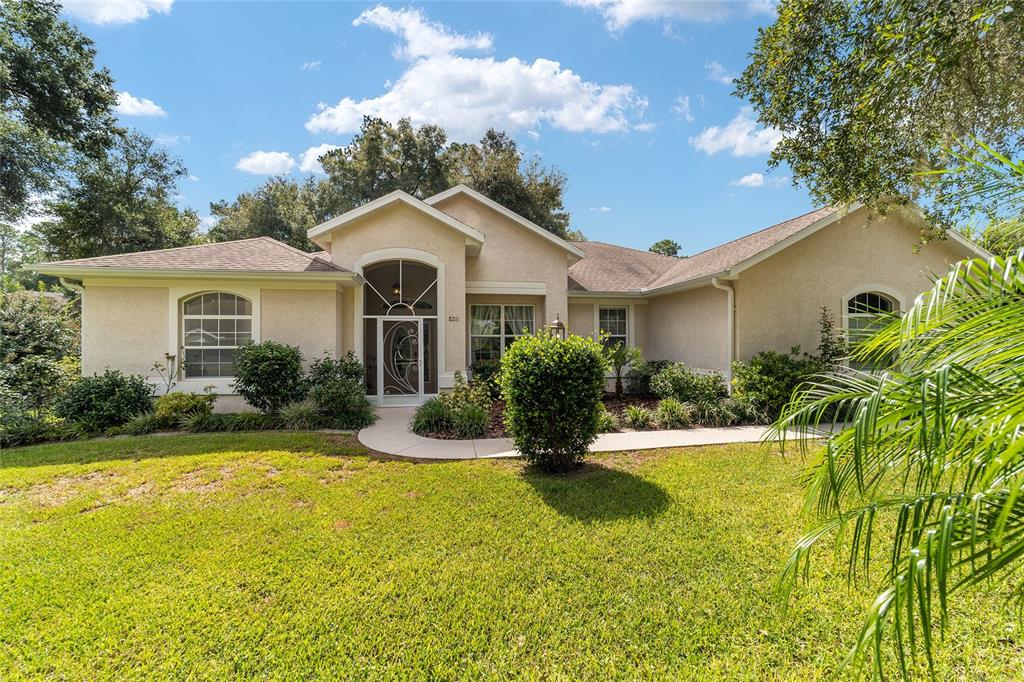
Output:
(596, 493)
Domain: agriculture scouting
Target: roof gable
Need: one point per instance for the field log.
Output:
(317, 233)
(507, 213)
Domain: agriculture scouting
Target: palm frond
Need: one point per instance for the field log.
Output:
(929, 466)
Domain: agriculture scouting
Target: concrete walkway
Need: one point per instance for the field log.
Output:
(391, 435)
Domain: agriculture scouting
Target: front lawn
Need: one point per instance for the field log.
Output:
(289, 555)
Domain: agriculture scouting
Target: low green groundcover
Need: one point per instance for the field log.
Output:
(289, 555)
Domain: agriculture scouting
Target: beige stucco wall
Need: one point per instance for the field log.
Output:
(512, 253)
(689, 326)
(124, 328)
(581, 318)
(304, 318)
(402, 227)
(778, 301)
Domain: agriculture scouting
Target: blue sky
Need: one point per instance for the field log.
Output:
(630, 100)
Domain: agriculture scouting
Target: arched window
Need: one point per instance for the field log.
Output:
(213, 326)
(865, 313)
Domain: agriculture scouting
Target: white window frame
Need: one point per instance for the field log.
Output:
(899, 306)
(629, 321)
(250, 317)
(501, 325)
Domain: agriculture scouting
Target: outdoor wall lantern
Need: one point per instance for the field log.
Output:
(557, 327)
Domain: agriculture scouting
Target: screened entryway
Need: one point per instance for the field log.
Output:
(400, 301)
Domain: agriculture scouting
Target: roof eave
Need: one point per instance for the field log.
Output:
(148, 273)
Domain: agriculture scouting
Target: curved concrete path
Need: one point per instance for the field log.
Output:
(391, 435)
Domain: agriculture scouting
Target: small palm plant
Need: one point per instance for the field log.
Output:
(620, 357)
(928, 474)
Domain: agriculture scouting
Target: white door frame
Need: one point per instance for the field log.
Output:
(399, 400)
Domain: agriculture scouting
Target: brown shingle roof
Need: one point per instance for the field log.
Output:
(260, 254)
(616, 268)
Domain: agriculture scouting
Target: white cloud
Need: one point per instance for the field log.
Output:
(751, 180)
(115, 11)
(719, 73)
(533, 134)
(422, 37)
(309, 161)
(618, 14)
(130, 105)
(168, 140)
(193, 178)
(742, 136)
(682, 108)
(468, 95)
(645, 127)
(266, 163)
(311, 66)
(601, 209)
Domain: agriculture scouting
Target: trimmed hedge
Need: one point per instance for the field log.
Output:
(552, 390)
(688, 385)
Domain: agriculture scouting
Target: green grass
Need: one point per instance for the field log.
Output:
(282, 555)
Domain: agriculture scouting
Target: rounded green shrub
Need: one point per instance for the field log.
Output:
(470, 421)
(337, 388)
(104, 400)
(688, 385)
(552, 389)
(770, 378)
(433, 416)
(639, 417)
(639, 375)
(268, 375)
(672, 414)
(303, 415)
(170, 409)
(606, 421)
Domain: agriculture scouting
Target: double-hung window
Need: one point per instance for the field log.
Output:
(613, 325)
(214, 325)
(493, 328)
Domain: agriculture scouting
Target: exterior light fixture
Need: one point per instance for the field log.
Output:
(557, 327)
(396, 289)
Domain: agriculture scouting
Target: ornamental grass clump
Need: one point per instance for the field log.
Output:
(552, 390)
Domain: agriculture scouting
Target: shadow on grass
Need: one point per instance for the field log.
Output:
(177, 445)
(596, 493)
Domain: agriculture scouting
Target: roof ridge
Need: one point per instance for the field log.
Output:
(763, 229)
(630, 248)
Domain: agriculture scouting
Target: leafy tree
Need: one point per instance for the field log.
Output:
(666, 247)
(383, 157)
(280, 208)
(120, 203)
(496, 168)
(872, 96)
(54, 102)
(32, 325)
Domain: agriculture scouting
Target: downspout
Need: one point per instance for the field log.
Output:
(730, 295)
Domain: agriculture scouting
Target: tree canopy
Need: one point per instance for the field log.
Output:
(384, 157)
(119, 203)
(281, 208)
(873, 96)
(666, 247)
(54, 102)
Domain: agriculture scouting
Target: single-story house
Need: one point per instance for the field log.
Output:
(419, 289)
